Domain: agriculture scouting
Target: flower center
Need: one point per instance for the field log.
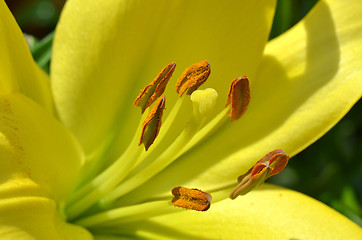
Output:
(94, 203)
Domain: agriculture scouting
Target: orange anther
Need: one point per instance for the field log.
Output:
(194, 199)
(193, 77)
(239, 97)
(269, 165)
(151, 126)
(155, 89)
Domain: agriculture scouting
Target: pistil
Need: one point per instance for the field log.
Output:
(236, 105)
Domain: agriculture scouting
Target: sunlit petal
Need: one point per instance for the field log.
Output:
(19, 72)
(268, 213)
(39, 163)
(29, 214)
(308, 79)
(105, 52)
(35, 146)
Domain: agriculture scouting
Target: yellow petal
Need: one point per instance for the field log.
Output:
(27, 214)
(19, 72)
(39, 163)
(104, 52)
(35, 146)
(308, 80)
(270, 213)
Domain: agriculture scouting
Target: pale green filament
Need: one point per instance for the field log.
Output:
(136, 166)
(156, 166)
(127, 214)
(111, 169)
(203, 103)
(107, 180)
(105, 187)
(220, 119)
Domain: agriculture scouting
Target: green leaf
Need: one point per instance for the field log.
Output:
(42, 51)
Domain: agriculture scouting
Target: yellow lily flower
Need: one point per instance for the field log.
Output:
(55, 136)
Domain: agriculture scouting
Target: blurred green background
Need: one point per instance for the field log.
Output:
(330, 170)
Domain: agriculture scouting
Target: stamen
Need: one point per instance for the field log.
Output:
(151, 126)
(167, 124)
(238, 97)
(166, 158)
(277, 161)
(193, 77)
(255, 178)
(126, 173)
(269, 165)
(155, 89)
(194, 199)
